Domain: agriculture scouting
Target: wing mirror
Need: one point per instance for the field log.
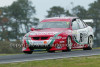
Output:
(32, 29)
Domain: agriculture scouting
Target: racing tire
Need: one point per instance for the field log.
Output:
(90, 43)
(69, 44)
(28, 52)
(51, 51)
(48, 50)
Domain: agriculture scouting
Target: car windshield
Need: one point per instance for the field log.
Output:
(53, 25)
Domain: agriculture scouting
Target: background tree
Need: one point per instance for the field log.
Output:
(94, 13)
(80, 12)
(21, 18)
(3, 24)
(67, 13)
(21, 12)
(55, 11)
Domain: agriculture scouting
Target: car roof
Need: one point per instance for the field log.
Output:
(59, 19)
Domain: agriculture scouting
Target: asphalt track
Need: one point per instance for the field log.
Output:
(45, 56)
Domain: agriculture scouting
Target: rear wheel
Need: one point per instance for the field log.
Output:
(69, 45)
(28, 52)
(90, 43)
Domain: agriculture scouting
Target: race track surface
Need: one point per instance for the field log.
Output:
(45, 56)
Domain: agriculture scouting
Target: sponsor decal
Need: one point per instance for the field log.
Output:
(67, 22)
(45, 42)
(43, 33)
(58, 46)
(62, 41)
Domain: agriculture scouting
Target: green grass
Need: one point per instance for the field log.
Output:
(97, 48)
(6, 54)
(92, 61)
(10, 54)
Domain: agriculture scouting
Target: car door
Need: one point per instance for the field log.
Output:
(75, 32)
(83, 32)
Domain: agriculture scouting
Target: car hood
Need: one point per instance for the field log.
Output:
(48, 31)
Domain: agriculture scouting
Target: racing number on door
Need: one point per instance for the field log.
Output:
(81, 37)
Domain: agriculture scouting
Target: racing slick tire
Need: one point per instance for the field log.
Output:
(48, 50)
(90, 43)
(28, 52)
(69, 44)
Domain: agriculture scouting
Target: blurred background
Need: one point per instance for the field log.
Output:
(18, 16)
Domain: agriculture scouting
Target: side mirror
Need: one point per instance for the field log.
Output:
(32, 29)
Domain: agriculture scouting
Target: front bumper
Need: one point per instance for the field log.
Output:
(45, 44)
(38, 42)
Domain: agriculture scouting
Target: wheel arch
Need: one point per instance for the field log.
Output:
(91, 36)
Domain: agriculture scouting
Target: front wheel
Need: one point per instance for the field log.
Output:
(69, 45)
(50, 51)
(90, 43)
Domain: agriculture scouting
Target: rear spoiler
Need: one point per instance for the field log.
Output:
(88, 20)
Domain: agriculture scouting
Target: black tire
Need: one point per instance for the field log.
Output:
(28, 52)
(90, 43)
(51, 51)
(69, 44)
(48, 50)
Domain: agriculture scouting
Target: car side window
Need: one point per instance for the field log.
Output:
(75, 25)
(85, 25)
(81, 25)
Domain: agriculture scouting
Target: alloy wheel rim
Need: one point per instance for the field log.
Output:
(69, 43)
(90, 41)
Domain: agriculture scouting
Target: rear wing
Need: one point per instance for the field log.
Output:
(88, 20)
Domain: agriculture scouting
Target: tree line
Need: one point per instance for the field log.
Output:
(18, 18)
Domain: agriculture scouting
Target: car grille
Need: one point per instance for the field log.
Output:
(36, 38)
(40, 38)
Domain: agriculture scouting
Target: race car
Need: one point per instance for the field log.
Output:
(59, 33)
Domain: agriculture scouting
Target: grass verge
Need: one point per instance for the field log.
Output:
(92, 61)
(10, 54)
